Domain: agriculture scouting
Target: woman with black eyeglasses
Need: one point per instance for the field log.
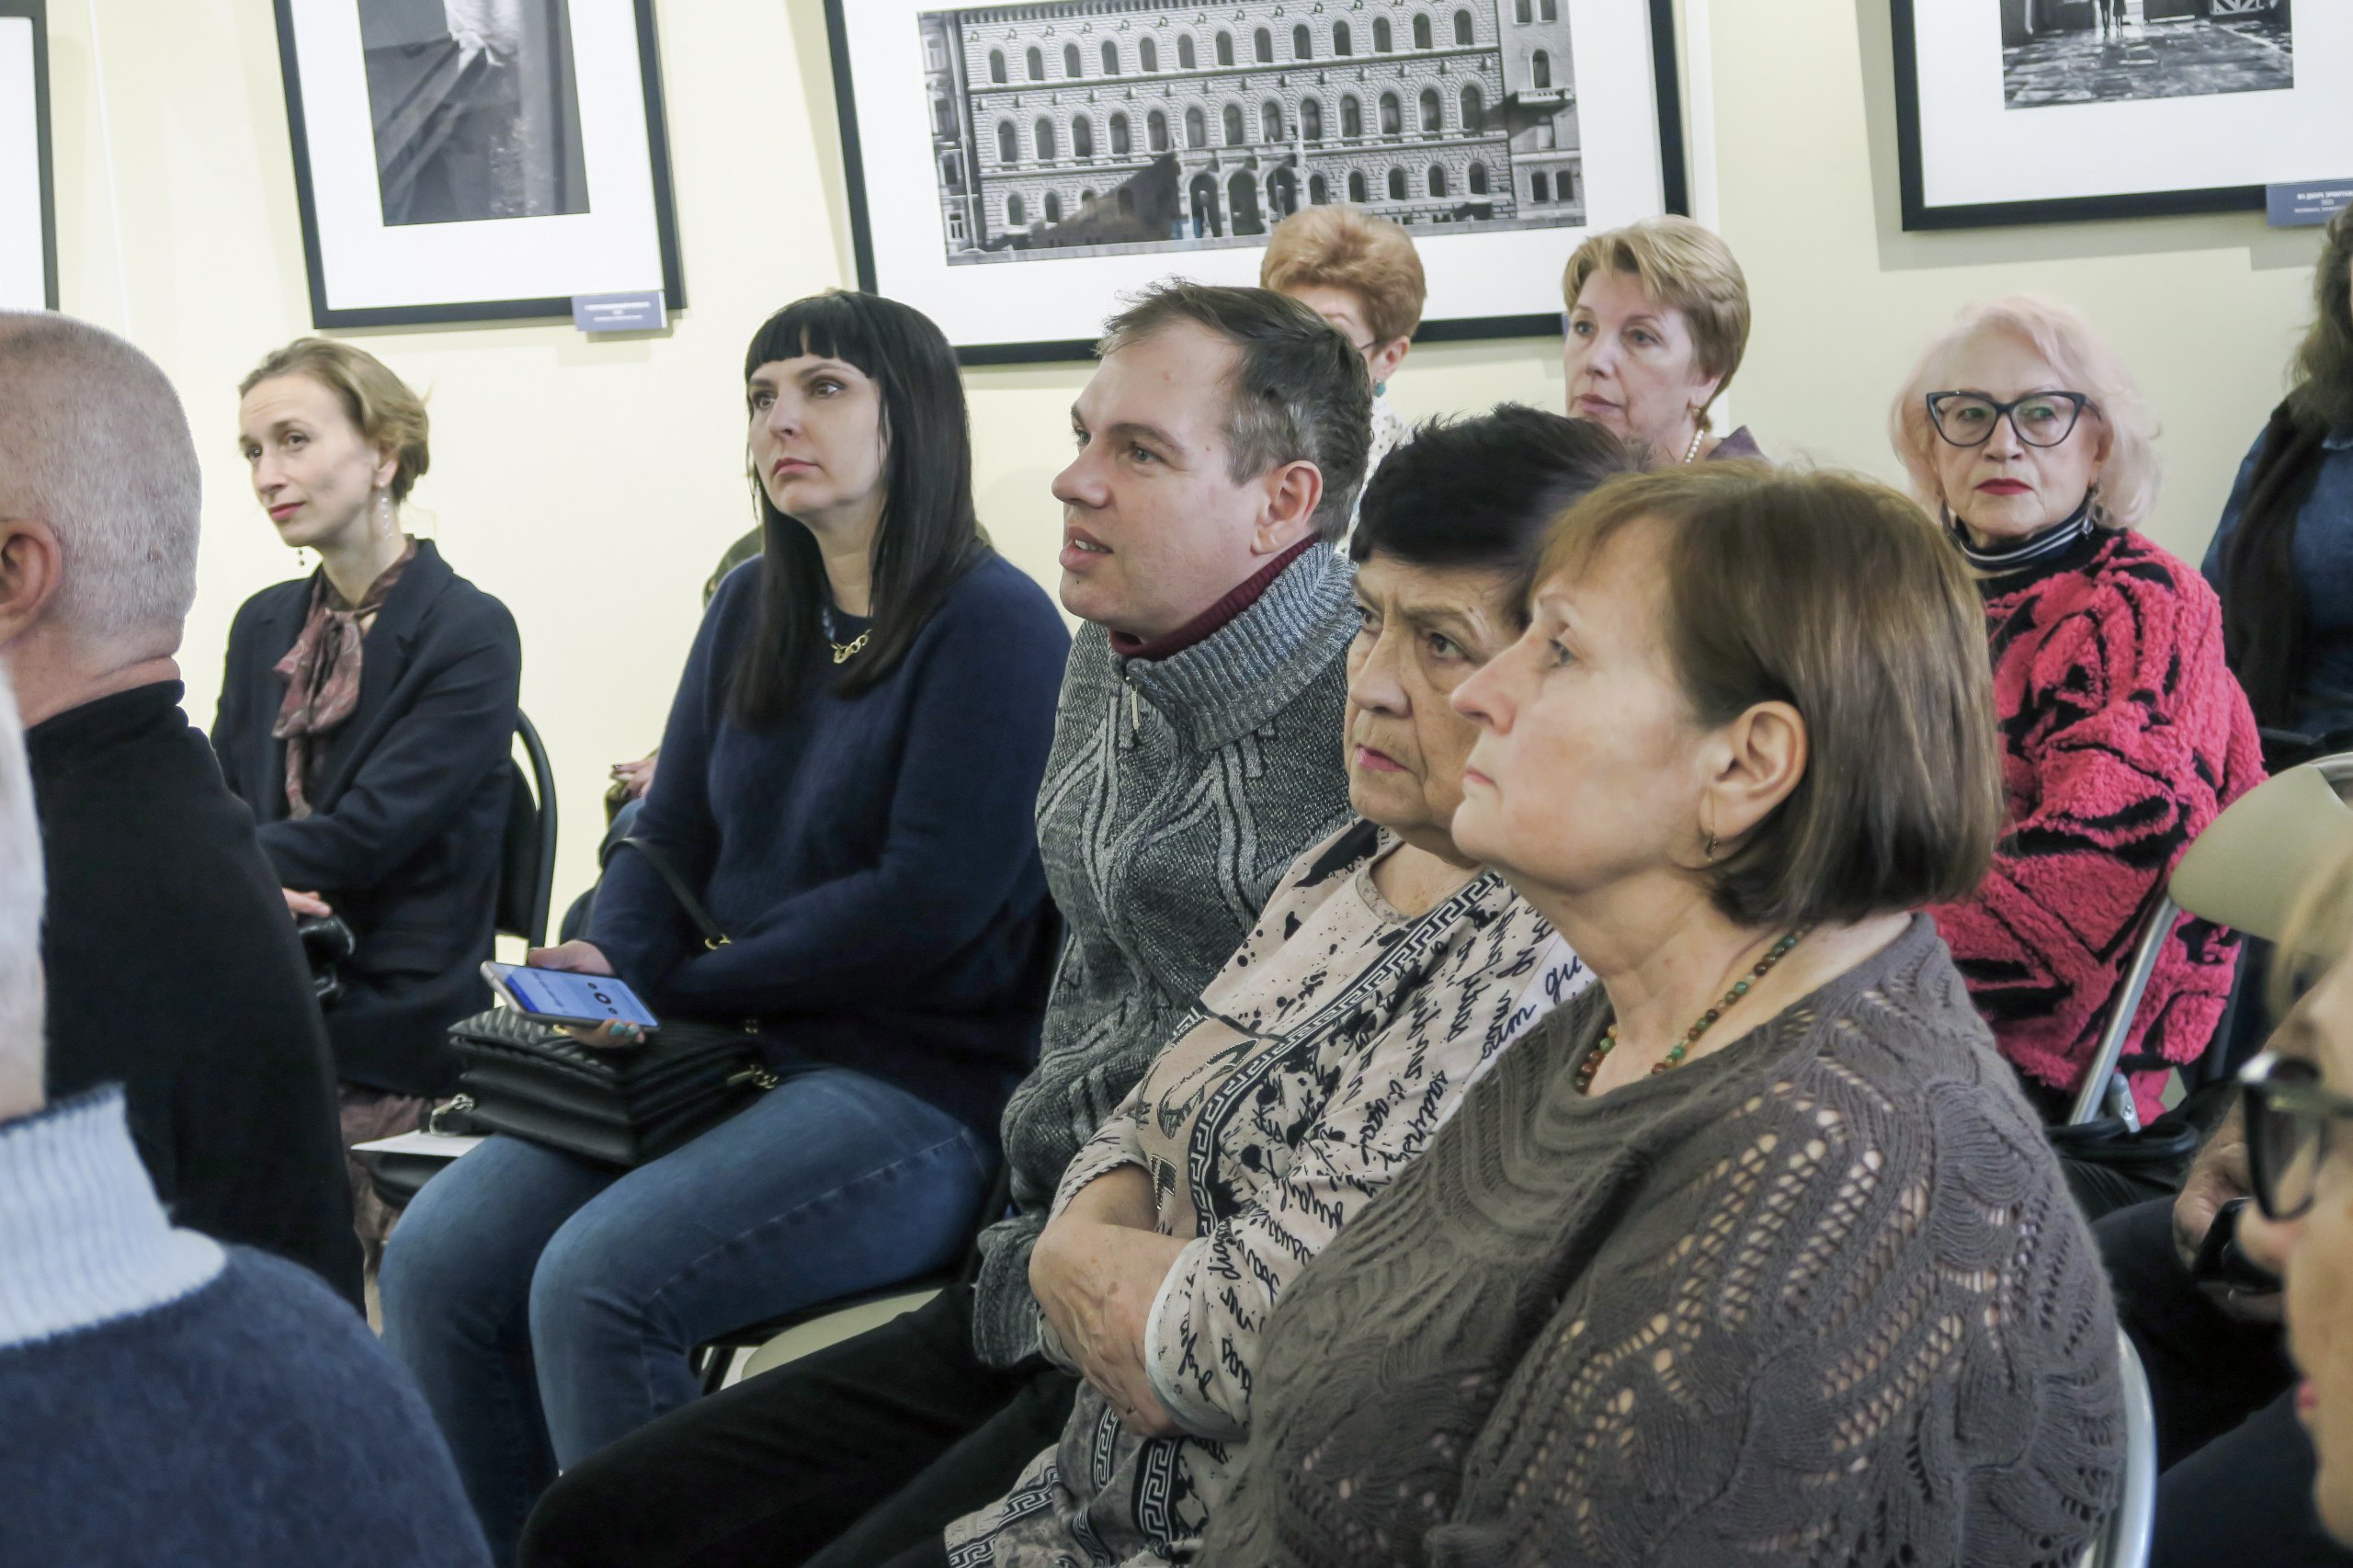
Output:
(2123, 733)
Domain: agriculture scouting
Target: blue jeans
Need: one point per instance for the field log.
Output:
(548, 1305)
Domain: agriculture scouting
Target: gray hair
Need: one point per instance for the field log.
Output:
(93, 442)
(21, 893)
(1300, 392)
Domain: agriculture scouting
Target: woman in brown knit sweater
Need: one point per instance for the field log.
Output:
(1754, 1252)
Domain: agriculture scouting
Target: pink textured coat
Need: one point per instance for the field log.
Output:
(2123, 735)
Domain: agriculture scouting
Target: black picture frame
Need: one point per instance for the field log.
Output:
(329, 317)
(1920, 215)
(36, 11)
(1674, 188)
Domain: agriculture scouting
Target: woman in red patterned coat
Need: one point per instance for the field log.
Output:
(2124, 734)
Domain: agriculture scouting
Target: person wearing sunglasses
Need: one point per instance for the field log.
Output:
(2123, 733)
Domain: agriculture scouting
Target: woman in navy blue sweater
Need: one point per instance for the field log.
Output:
(847, 777)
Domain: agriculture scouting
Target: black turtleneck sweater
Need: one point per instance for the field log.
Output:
(174, 970)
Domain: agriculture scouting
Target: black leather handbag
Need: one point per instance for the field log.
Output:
(622, 1106)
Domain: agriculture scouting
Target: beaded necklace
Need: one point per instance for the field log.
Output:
(1674, 1058)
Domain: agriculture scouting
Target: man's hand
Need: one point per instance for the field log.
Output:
(1095, 1272)
(2216, 1177)
(306, 905)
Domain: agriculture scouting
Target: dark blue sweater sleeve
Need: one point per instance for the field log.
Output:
(2211, 569)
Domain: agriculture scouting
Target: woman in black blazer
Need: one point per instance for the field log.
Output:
(366, 718)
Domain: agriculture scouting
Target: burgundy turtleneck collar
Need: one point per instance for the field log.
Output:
(1213, 620)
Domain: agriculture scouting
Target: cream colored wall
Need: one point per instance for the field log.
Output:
(590, 485)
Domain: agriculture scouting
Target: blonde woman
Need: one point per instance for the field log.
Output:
(365, 719)
(1657, 323)
(1360, 273)
(2124, 734)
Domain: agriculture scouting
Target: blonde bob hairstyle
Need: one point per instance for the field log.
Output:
(388, 416)
(1837, 595)
(1681, 265)
(2127, 482)
(1347, 247)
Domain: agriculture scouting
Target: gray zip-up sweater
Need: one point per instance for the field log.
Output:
(1177, 793)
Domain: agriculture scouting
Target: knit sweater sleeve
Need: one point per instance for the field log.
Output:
(1855, 1298)
(2125, 735)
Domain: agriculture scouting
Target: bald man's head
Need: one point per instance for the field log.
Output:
(94, 445)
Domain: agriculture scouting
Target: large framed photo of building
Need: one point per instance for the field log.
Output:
(2028, 111)
(476, 160)
(1015, 169)
(28, 205)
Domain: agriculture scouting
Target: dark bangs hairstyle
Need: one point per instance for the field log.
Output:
(1480, 491)
(927, 537)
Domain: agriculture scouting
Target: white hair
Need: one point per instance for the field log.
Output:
(93, 443)
(21, 893)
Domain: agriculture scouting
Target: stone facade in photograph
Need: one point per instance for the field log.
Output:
(1136, 124)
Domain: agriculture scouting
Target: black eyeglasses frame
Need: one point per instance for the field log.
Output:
(2263, 1091)
(1937, 399)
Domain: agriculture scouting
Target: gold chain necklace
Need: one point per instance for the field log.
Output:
(1682, 1048)
(844, 652)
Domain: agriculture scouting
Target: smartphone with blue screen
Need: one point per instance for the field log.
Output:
(558, 996)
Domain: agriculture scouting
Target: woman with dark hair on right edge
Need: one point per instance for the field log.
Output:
(848, 780)
(2282, 559)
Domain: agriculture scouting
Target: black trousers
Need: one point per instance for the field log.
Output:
(2236, 1468)
(856, 1457)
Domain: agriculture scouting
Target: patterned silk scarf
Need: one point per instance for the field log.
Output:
(322, 675)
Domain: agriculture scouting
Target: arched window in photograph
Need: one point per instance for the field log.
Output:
(1396, 184)
(1037, 63)
(1082, 138)
(1551, 10)
(1054, 208)
(1351, 117)
(1392, 122)
(1234, 131)
(1111, 57)
(1262, 47)
(1432, 119)
(1541, 69)
(1475, 111)
(1539, 189)
(1008, 145)
(1225, 49)
(1270, 121)
(1421, 32)
(1147, 56)
(1302, 43)
(1043, 134)
(1311, 119)
(1381, 42)
(1478, 179)
(943, 115)
(1016, 212)
(1086, 198)
(1155, 129)
(1463, 36)
(1438, 180)
(996, 65)
(1127, 202)
(1319, 190)
(1196, 129)
(1120, 145)
(1186, 59)
(1356, 188)
(1341, 42)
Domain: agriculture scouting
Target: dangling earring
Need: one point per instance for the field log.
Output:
(1708, 849)
(384, 509)
(1380, 389)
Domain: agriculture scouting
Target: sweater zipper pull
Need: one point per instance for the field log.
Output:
(1135, 716)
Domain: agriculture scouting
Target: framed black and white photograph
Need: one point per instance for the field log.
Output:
(27, 202)
(2022, 111)
(477, 160)
(1015, 169)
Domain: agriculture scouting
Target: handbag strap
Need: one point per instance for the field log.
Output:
(712, 937)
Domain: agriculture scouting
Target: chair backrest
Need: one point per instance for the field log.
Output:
(2131, 1530)
(2243, 872)
(526, 855)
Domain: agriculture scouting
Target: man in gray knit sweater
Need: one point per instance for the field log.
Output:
(1197, 751)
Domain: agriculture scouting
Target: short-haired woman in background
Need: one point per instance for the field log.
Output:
(1361, 273)
(2124, 734)
(365, 717)
(848, 780)
(1752, 1253)
(1658, 321)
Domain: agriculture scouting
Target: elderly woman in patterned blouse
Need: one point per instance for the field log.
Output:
(1385, 972)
